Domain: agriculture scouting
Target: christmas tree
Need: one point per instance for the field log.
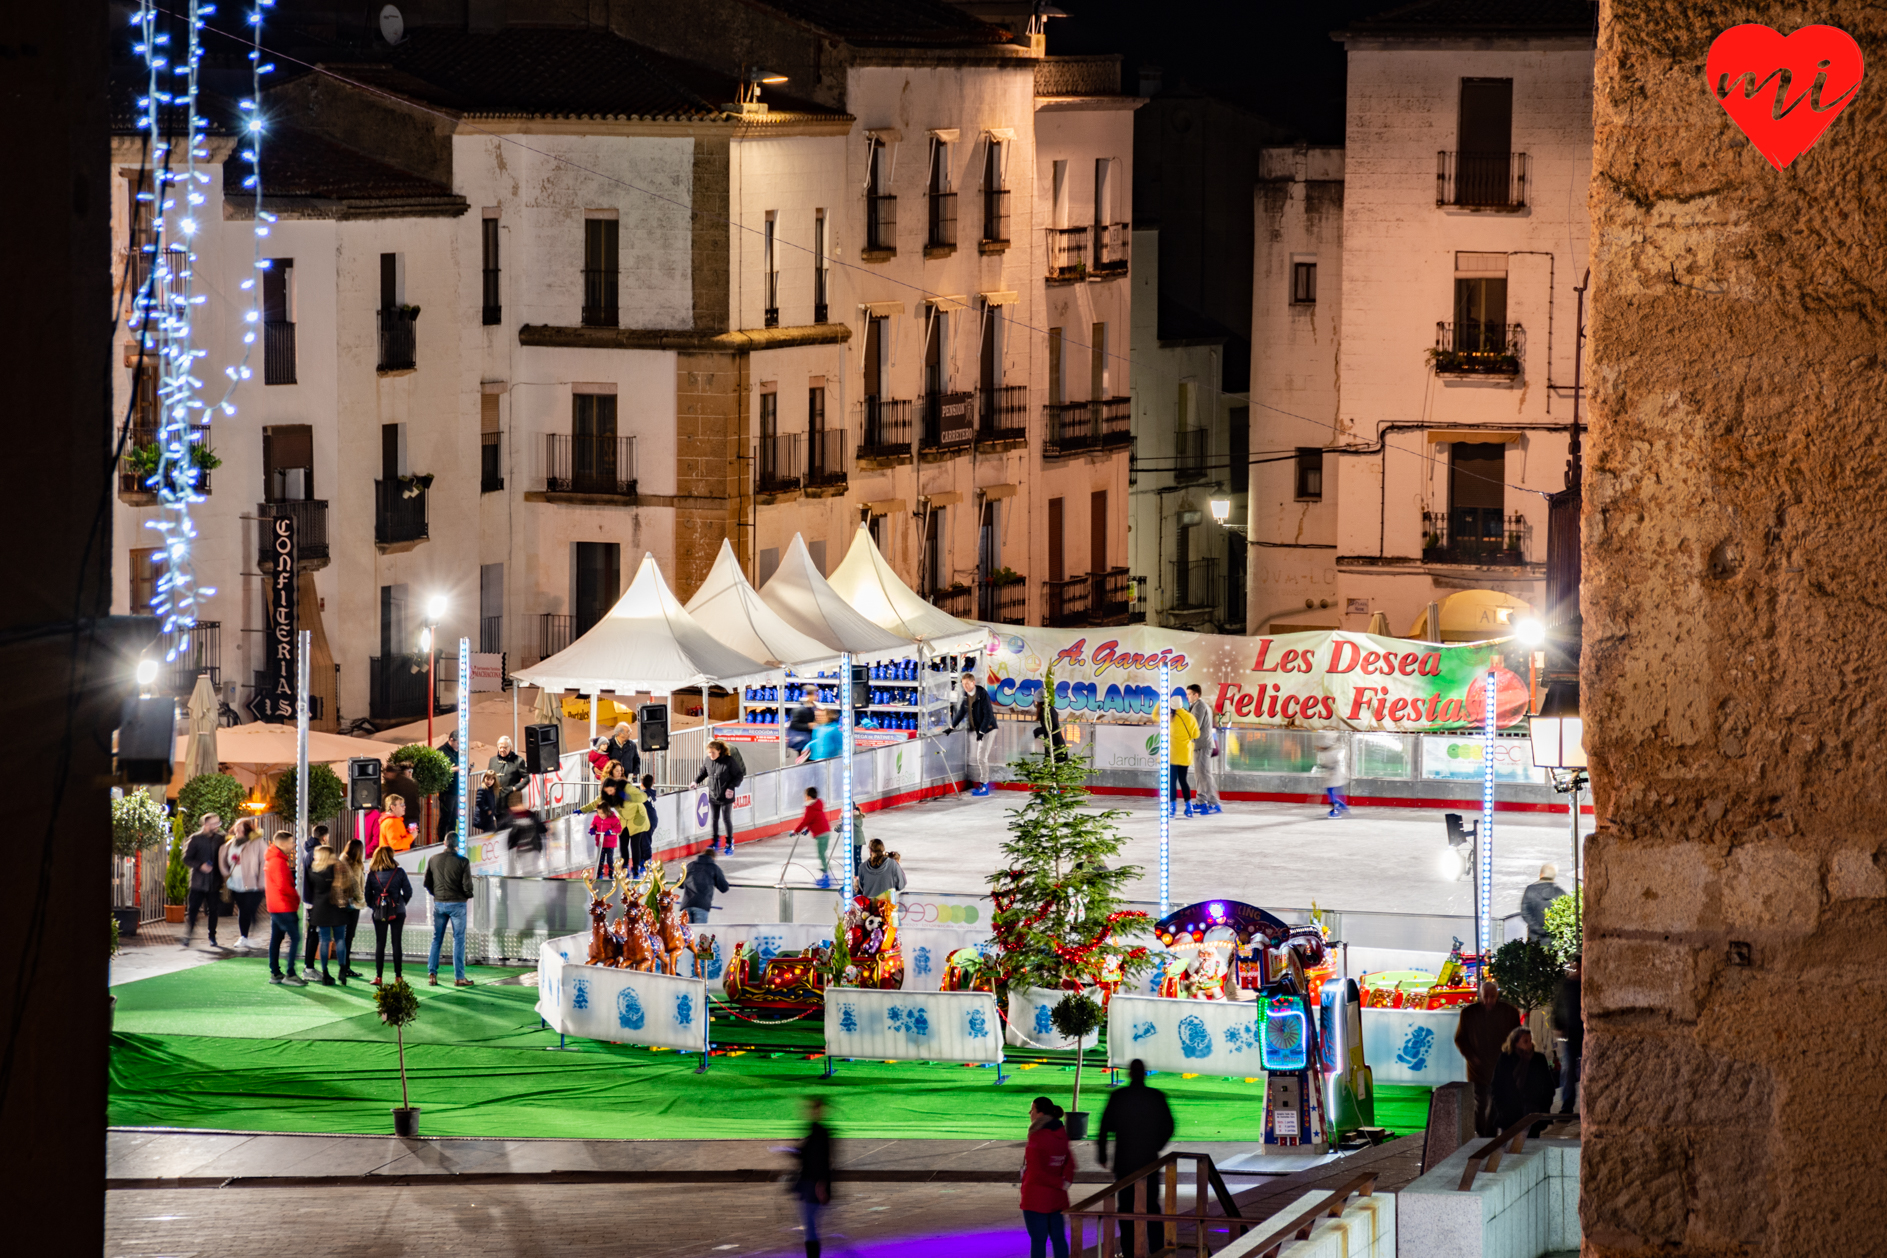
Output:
(1058, 899)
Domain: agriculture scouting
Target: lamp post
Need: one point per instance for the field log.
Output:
(1558, 735)
(435, 608)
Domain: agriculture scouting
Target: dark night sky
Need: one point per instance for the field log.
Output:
(1275, 57)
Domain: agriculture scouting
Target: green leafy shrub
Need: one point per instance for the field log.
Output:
(432, 771)
(1563, 926)
(327, 794)
(138, 822)
(206, 793)
(398, 1006)
(1076, 1016)
(176, 874)
(1528, 974)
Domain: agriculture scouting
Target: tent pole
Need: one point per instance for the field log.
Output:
(845, 773)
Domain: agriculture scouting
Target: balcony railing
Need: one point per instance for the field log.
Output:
(397, 340)
(819, 310)
(771, 315)
(1003, 604)
(1002, 414)
(996, 216)
(554, 633)
(1066, 602)
(1076, 426)
(954, 601)
(203, 655)
(491, 634)
(575, 464)
(1490, 181)
(1480, 349)
(134, 479)
(881, 222)
(776, 467)
(943, 221)
(825, 457)
(1189, 450)
(884, 428)
(396, 687)
(311, 526)
(1474, 535)
(491, 470)
(599, 297)
(1193, 585)
(399, 512)
(1067, 253)
(1111, 246)
(278, 352)
(949, 420)
(1109, 595)
(493, 309)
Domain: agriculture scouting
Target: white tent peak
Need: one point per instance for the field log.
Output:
(807, 602)
(646, 642)
(732, 610)
(866, 580)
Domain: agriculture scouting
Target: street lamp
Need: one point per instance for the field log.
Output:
(1559, 745)
(435, 608)
(751, 81)
(1221, 510)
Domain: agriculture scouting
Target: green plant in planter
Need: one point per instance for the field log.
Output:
(138, 822)
(147, 458)
(210, 792)
(1528, 974)
(1563, 927)
(327, 795)
(1004, 576)
(176, 874)
(114, 936)
(398, 1006)
(409, 312)
(415, 485)
(1076, 1016)
(432, 771)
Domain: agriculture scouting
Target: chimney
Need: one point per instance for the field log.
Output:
(1149, 80)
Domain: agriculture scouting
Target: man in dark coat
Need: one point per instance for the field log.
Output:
(976, 708)
(1535, 898)
(1141, 1122)
(1569, 1023)
(454, 792)
(512, 770)
(1480, 1035)
(1523, 1083)
(206, 883)
(703, 879)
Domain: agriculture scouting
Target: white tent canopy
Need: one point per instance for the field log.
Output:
(805, 601)
(730, 608)
(647, 642)
(867, 582)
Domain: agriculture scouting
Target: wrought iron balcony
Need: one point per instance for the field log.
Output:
(1002, 413)
(1112, 242)
(943, 221)
(580, 464)
(885, 428)
(881, 222)
(1193, 586)
(1067, 253)
(491, 472)
(825, 457)
(1190, 447)
(599, 297)
(955, 600)
(399, 511)
(949, 421)
(1480, 536)
(776, 466)
(554, 632)
(1065, 603)
(311, 526)
(996, 216)
(1074, 427)
(1489, 181)
(771, 315)
(278, 352)
(1109, 596)
(397, 342)
(1477, 348)
(1003, 604)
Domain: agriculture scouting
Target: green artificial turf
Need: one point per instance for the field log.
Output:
(218, 1046)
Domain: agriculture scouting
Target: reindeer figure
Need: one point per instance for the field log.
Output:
(604, 948)
(634, 928)
(676, 937)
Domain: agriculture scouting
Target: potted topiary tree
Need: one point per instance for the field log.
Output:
(1076, 1016)
(138, 824)
(327, 795)
(176, 876)
(210, 792)
(431, 770)
(398, 1006)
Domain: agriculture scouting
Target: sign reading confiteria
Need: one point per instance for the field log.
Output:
(275, 688)
(1322, 680)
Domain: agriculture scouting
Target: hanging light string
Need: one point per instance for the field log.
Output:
(166, 304)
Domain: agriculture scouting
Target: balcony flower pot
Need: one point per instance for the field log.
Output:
(414, 486)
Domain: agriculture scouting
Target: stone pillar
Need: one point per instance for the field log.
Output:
(713, 484)
(1735, 535)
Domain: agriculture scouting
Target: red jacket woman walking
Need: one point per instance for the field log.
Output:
(284, 905)
(1048, 1167)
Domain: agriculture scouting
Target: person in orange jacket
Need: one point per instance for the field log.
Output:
(284, 904)
(1048, 1167)
(394, 832)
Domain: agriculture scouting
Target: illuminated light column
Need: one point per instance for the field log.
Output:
(303, 644)
(845, 773)
(1166, 786)
(465, 741)
(1484, 875)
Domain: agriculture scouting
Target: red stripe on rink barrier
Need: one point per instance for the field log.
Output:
(1355, 801)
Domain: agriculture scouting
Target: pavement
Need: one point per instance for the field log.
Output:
(1384, 860)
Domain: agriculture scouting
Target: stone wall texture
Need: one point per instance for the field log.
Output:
(1735, 665)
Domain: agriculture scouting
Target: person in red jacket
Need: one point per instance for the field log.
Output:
(814, 822)
(284, 904)
(1048, 1167)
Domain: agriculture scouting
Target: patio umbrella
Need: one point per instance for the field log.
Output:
(548, 709)
(199, 754)
(1379, 626)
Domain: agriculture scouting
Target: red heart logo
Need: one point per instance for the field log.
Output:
(1783, 92)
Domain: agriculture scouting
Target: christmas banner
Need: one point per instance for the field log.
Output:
(1322, 680)
(601, 1002)
(912, 1026)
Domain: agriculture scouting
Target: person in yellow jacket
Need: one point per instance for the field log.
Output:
(1183, 731)
(636, 829)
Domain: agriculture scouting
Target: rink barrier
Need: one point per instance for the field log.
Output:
(1207, 1037)
(864, 1022)
(601, 1002)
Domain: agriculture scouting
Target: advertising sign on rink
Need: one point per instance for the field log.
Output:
(601, 1002)
(912, 1026)
(1208, 1037)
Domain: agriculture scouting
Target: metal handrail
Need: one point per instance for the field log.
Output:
(1300, 1226)
(1509, 1141)
(1108, 1212)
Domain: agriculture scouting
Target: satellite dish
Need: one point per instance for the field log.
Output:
(392, 25)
